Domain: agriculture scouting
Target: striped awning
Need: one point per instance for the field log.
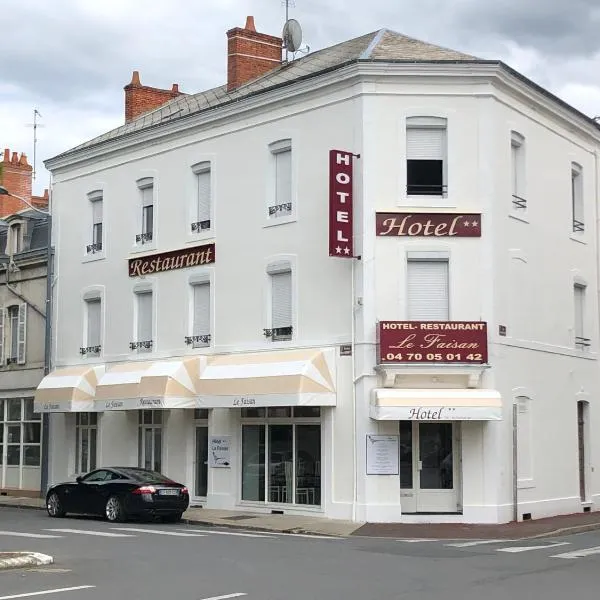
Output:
(392, 404)
(148, 384)
(71, 389)
(278, 378)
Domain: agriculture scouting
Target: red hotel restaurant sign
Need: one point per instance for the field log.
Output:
(432, 342)
(175, 259)
(340, 204)
(428, 224)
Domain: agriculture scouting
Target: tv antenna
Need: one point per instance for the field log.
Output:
(292, 32)
(35, 125)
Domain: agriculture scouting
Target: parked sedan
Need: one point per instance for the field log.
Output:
(118, 493)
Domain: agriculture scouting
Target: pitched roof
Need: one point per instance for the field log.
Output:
(381, 45)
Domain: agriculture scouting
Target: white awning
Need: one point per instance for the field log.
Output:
(392, 404)
(277, 378)
(71, 389)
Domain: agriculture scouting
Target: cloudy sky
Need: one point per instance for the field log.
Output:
(71, 58)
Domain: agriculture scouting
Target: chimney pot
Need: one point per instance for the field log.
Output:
(135, 78)
(15, 158)
(250, 26)
(6, 155)
(175, 88)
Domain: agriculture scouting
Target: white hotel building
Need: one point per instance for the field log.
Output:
(246, 362)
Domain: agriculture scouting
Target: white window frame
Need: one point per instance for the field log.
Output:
(518, 149)
(194, 231)
(428, 257)
(580, 326)
(156, 424)
(15, 238)
(275, 211)
(18, 331)
(89, 346)
(275, 268)
(137, 291)
(149, 182)
(91, 429)
(577, 200)
(198, 279)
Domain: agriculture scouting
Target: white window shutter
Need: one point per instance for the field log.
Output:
(281, 299)
(97, 211)
(203, 208)
(94, 324)
(148, 196)
(22, 335)
(425, 143)
(579, 291)
(428, 290)
(201, 309)
(144, 316)
(2, 322)
(283, 176)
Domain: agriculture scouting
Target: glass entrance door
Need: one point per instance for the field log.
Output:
(201, 462)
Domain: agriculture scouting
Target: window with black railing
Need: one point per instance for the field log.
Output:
(199, 226)
(519, 202)
(577, 198)
(582, 341)
(141, 345)
(517, 166)
(146, 187)
(425, 178)
(197, 341)
(279, 334)
(90, 350)
(97, 219)
(426, 156)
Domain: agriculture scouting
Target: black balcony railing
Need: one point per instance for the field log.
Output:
(90, 350)
(93, 248)
(12, 360)
(582, 342)
(197, 340)
(280, 209)
(519, 202)
(427, 189)
(200, 226)
(578, 226)
(144, 345)
(279, 333)
(142, 238)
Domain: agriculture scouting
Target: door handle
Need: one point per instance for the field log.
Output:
(420, 465)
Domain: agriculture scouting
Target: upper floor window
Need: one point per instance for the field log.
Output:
(96, 202)
(281, 161)
(517, 167)
(200, 315)
(582, 341)
(428, 289)
(201, 213)
(15, 239)
(93, 327)
(13, 334)
(577, 198)
(146, 187)
(144, 321)
(426, 156)
(280, 277)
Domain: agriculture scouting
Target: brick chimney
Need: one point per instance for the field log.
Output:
(15, 176)
(250, 54)
(140, 99)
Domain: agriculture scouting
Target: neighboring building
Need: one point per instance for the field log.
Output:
(234, 354)
(23, 262)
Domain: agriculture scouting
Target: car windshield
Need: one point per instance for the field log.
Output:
(145, 476)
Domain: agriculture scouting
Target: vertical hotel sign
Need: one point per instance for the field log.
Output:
(341, 242)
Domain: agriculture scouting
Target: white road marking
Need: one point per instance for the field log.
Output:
(476, 543)
(158, 531)
(210, 532)
(41, 536)
(574, 554)
(44, 592)
(528, 548)
(238, 595)
(418, 540)
(311, 536)
(90, 532)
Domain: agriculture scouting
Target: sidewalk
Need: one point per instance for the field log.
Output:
(298, 524)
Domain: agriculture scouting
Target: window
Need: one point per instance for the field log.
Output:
(97, 219)
(281, 304)
(426, 156)
(15, 239)
(150, 440)
(517, 156)
(86, 431)
(93, 329)
(281, 455)
(200, 316)
(13, 340)
(144, 326)
(146, 187)
(202, 200)
(577, 198)
(581, 341)
(20, 442)
(281, 154)
(428, 298)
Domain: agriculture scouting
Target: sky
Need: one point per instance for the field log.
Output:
(70, 59)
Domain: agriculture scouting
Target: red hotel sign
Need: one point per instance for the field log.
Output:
(175, 259)
(432, 342)
(340, 204)
(428, 224)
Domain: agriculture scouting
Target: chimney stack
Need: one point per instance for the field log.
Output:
(15, 176)
(250, 54)
(140, 99)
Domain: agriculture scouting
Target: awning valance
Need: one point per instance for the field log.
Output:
(71, 389)
(278, 378)
(148, 384)
(392, 404)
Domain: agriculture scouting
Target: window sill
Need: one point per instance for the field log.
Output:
(428, 201)
(207, 234)
(138, 248)
(87, 258)
(578, 237)
(519, 216)
(274, 221)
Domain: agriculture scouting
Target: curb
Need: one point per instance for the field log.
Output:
(26, 559)
(26, 506)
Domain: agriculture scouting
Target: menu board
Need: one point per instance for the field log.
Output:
(382, 454)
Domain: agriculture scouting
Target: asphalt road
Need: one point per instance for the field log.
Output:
(157, 561)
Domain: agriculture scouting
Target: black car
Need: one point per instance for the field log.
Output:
(118, 493)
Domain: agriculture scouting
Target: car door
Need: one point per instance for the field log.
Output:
(86, 496)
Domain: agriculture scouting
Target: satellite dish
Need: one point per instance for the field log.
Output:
(292, 35)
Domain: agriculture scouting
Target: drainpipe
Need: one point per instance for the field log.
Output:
(515, 461)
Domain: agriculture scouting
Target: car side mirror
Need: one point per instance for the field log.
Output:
(79, 479)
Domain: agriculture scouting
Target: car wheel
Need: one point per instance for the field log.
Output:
(114, 511)
(174, 518)
(54, 506)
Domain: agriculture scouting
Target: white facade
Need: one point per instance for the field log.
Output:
(519, 274)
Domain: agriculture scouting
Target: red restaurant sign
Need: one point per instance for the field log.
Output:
(432, 342)
(194, 256)
(340, 204)
(428, 224)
